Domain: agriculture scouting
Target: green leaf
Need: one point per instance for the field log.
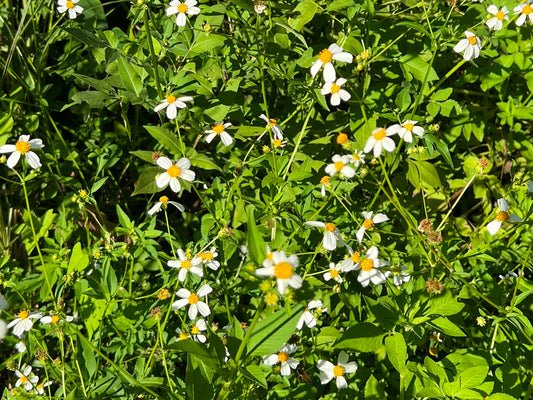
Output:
(144, 155)
(307, 10)
(256, 244)
(196, 349)
(255, 374)
(373, 389)
(441, 146)
(204, 162)
(129, 76)
(447, 327)
(86, 37)
(224, 101)
(166, 138)
(396, 351)
(500, 396)
(146, 183)
(98, 184)
(444, 304)
(403, 99)
(416, 66)
(78, 259)
(93, 98)
(123, 218)
(364, 337)
(98, 84)
(207, 43)
(473, 377)
(87, 359)
(423, 173)
(328, 335)
(245, 131)
(441, 95)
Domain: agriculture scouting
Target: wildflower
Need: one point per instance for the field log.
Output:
(283, 357)
(186, 265)
(337, 94)
(3, 329)
(399, 275)
(21, 346)
(163, 294)
(333, 273)
(324, 182)
(340, 165)
(328, 371)
(369, 222)
(331, 235)
(40, 387)
(502, 216)
(357, 158)
(25, 379)
(208, 258)
(70, 6)
(433, 351)
(282, 267)
(333, 52)
(55, 319)
(342, 138)
(187, 7)
(271, 299)
(260, 7)
(219, 129)
(179, 169)
(182, 335)
(406, 130)
(370, 268)
(171, 103)
(352, 262)
(278, 143)
(23, 146)
(496, 23)
(23, 323)
(525, 10)
(480, 321)
(434, 285)
(193, 300)
(308, 318)
(162, 203)
(435, 337)
(276, 130)
(471, 46)
(197, 329)
(507, 279)
(380, 140)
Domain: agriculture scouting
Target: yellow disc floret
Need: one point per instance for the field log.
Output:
(338, 165)
(193, 298)
(186, 264)
(195, 330)
(282, 357)
(367, 264)
(472, 40)
(23, 314)
(335, 88)
(325, 56)
(527, 9)
(356, 257)
(408, 127)
(170, 99)
(218, 128)
(503, 216)
(338, 371)
(380, 135)
(368, 223)
(500, 15)
(330, 227)
(182, 8)
(55, 319)
(69, 5)
(22, 147)
(283, 270)
(174, 171)
(163, 199)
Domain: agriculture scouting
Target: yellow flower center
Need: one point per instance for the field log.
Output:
(408, 127)
(367, 264)
(277, 143)
(500, 15)
(23, 314)
(163, 199)
(527, 9)
(183, 336)
(325, 180)
(218, 129)
(174, 171)
(325, 56)
(208, 256)
(330, 227)
(282, 357)
(368, 223)
(334, 273)
(55, 319)
(380, 135)
(338, 371)
(335, 88)
(170, 99)
(193, 298)
(69, 4)
(195, 330)
(338, 165)
(163, 294)
(503, 216)
(342, 138)
(40, 385)
(182, 8)
(283, 270)
(23, 379)
(22, 147)
(271, 299)
(186, 264)
(472, 40)
(269, 256)
(356, 257)
(272, 122)
(356, 157)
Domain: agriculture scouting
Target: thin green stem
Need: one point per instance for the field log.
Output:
(298, 141)
(155, 64)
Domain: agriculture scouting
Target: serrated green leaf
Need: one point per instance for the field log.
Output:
(146, 183)
(447, 327)
(473, 377)
(256, 244)
(207, 43)
(78, 259)
(396, 351)
(166, 138)
(364, 337)
(255, 374)
(86, 37)
(204, 162)
(129, 76)
(415, 65)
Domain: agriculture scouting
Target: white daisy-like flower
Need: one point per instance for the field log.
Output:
(471, 46)
(171, 103)
(525, 10)
(502, 216)
(162, 204)
(341, 165)
(406, 130)
(369, 222)
(40, 387)
(357, 158)
(287, 363)
(55, 319)
(507, 279)
(333, 52)
(399, 275)
(380, 140)
(182, 335)
(435, 337)
(370, 269)
(324, 181)
(276, 129)
(308, 318)
(3, 329)
(328, 370)
(21, 346)
(3, 302)
(197, 329)
(496, 23)
(174, 172)
(193, 301)
(208, 258)
(182, 9)
(219, 129)
(282, 267)
(352, 262)
(70, 6)
(336, 91)
(23, 322)
(186, 265)
(278, 143)
(23, 146)
(334, 273)
(25, 379)
(331, 235)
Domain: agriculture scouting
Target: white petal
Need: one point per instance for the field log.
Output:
(285, 369)
(282, 285)
(360, 234)
(188, 175)
(503, 205)
(370, 143)
(345, 96)
(514, 218)
(348, 171)
(172, 111)
(461, 46)
(492, 9)
(329, 72)
(343, 57)
(469, 53)
(175, 185)
(204, 290)
(350, 368)
(341, 382)
(330, 241)
(8, 148)
(377, 148)
(179, 304)
(494, 226)
(162, 180)
(164, 162)
(388, 144)
(13, 159)
(33, 160)
(193, 311)
(379, 218)
(335, 99)
(314, 70)
(317, 224)
(203, 308)
(226, 138)
(181, 20)
(271, 359)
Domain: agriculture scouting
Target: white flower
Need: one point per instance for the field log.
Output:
(55, 319)
(328, 371)
(352, 262)
(179, 169)
(193, 301)
(71, 6)
(435, 337)
(507, 279)
(334, 273)
(187, 7)
(276, 130)
(21, 346)
(526, 11)
(369, 222)
(219, 129)
(380, 140)
(278, 143)
(283, 357)
(496, 23)
(208, 258)
(282, 267)
(333, 52)
(308, 318)
(471, 46)
(502, 216)
(337, 93)
(324, 181)
(162, 203)
(197, 329)
(171, 103)
(357, 158)
(331, 235)
(185, 265)
(369, 268)
(3, 329)
(399, 276)
(182, 335)
(23, 146)
(340, 165)
(406, 130)
(3, 302)
(25, 379)
(23, 323)
(40, 387)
